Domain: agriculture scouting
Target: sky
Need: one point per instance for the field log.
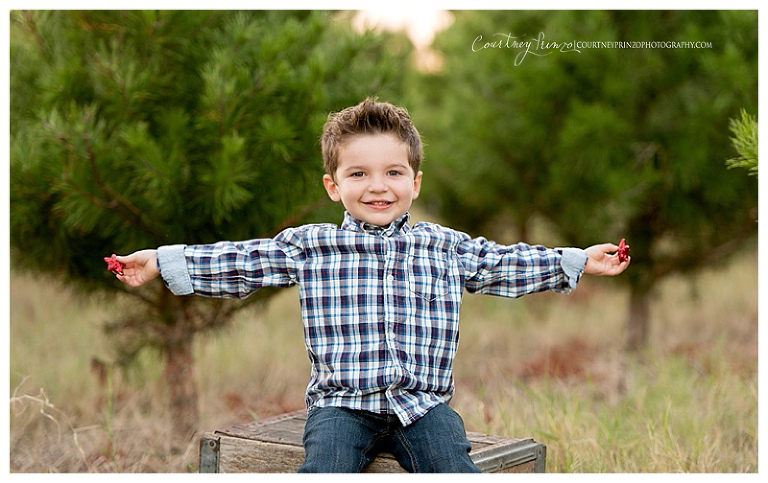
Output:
(420, 23)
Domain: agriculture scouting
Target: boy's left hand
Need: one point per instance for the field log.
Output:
(603, 259)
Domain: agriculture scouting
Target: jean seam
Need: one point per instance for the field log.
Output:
(407, 446)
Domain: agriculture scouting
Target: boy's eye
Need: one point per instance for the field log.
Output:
(394, 173)
(357, 174)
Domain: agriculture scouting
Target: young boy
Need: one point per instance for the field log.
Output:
(380, 298)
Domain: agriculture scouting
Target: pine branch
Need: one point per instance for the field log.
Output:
(29, 22)
(114, 200)
(113, 196)
(745, 142)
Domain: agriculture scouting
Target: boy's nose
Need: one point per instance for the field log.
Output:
(377, 185)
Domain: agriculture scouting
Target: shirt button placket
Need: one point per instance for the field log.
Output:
(390, 314)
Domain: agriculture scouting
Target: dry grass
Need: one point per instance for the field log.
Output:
(546, 366)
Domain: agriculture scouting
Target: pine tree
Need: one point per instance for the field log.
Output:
(136, 129)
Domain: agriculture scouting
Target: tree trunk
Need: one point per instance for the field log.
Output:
(638, 320)
(180, 379)
(178, 332)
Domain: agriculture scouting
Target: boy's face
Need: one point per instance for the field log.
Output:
(373, 180)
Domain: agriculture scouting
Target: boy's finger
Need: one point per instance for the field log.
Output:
(127, 260)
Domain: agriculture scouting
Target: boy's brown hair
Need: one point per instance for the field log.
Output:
(369, 117)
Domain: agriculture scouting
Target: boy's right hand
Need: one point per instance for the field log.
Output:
(140, 267)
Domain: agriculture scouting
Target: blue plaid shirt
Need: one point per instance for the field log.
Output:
(380, 306)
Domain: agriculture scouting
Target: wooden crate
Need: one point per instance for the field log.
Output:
(273, 445)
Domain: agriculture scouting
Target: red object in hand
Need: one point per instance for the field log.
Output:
(113, 265)
(623, 251)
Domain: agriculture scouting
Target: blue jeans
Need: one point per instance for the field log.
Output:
(340, 440)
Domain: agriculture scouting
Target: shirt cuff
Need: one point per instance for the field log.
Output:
(573, 262)
(172, 265)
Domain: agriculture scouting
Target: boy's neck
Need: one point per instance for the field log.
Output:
(372, 227)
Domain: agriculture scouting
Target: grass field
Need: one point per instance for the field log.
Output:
(546, 366)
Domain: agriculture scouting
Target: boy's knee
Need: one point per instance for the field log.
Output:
(437, 443)
(334, 442)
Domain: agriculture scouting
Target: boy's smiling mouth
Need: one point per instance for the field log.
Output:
(379, 204)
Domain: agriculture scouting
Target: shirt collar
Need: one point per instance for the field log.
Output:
(399, 226)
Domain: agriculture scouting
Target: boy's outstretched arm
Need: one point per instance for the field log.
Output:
(603, 260)
(140, 267)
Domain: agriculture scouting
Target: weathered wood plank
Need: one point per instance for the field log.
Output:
(243, 456)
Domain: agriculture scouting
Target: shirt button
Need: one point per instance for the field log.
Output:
(390, 278)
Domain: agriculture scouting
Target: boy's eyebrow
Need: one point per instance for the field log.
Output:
(352, 168)
(358, 167)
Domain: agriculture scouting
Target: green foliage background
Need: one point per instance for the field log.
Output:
(590, 139)
(601, 144)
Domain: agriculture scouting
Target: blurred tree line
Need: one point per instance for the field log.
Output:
(137, 129)
(603, 143)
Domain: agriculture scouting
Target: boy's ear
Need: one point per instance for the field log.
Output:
(417, 185)
(331, 188)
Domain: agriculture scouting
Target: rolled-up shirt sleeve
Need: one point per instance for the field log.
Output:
(573, 262)
(173, 269)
